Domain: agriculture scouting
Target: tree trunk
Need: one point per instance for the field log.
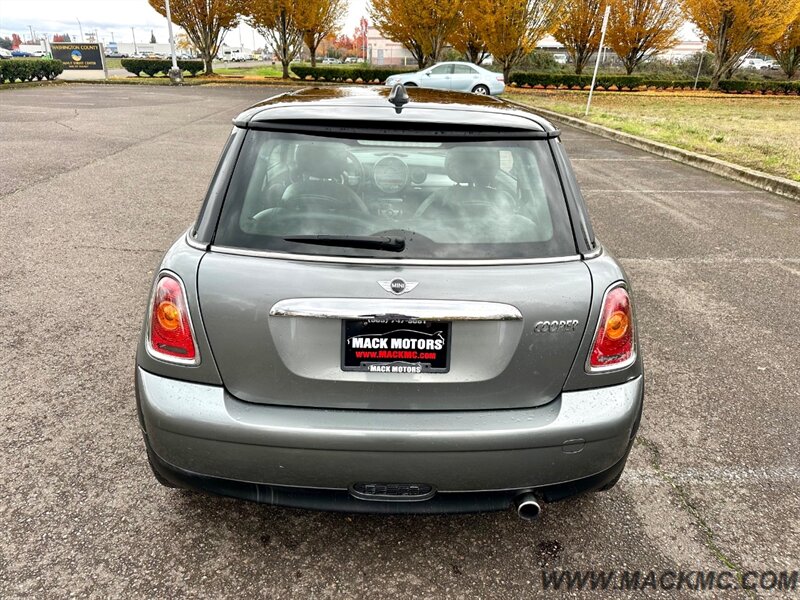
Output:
(313, 56)
(506, 73)
(285, 65)
(208, 63)
(715, 77)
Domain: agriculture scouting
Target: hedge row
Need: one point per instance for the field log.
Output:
(365, 74)
(154, 66)
(636, 82)
(630, 82)
(768, 87)
(28, 69)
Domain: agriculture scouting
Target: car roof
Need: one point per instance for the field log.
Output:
(369, 105)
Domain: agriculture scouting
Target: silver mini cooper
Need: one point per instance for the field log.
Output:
(391, 301)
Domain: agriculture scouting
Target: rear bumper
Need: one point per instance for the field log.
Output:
(201, 437)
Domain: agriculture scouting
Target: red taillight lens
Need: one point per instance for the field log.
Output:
(170, 329)
(501, 78)
(613, 342)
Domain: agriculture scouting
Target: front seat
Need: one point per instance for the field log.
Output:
(319, 166)
(474, 171)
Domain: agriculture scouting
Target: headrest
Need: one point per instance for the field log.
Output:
(321, 160)
(472, 165)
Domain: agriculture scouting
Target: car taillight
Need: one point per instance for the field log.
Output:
(613, 347)
(170, 335)
(500, 78)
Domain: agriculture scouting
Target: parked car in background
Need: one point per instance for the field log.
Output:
(560, 58)
(352, 60)
(454, 76)
(21, 54)
(116, 55)
(755, 63)
(5, 53)
(390, 301)
(331, 61)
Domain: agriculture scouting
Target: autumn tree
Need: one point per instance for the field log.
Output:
(579, 30)
(423, 27)
(468, 37)
(735, 27)
(786, 49)
(277, 21)
(639, 29)
(317, 19)
(205, 22)
(516, 26)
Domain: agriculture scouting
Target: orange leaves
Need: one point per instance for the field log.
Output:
(735, 27)
(638, 29)
(516, 26)
(204, 21)
(422, 26)
(579, 29)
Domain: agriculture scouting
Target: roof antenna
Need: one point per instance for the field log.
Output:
(399, 97)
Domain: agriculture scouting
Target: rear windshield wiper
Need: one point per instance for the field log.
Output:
(390, 243)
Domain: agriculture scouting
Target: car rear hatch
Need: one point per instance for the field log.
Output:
(276, 330)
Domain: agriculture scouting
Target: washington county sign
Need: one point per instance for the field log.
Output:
(80, 57)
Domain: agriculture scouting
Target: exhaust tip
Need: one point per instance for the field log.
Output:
(528, 507)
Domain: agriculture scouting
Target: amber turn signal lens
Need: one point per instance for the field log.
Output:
(617, 325)
(169, 317)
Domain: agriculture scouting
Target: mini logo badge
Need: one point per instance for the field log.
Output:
(398, 286)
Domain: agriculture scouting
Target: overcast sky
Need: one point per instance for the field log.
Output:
(117, 16)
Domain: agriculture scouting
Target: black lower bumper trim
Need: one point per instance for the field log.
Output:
(341, 500)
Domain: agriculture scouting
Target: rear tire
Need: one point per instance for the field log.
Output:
(410, 84)
(481, 90)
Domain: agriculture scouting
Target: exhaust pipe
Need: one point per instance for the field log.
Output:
(528, 506)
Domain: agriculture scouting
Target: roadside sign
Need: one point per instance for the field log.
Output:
(80, 57)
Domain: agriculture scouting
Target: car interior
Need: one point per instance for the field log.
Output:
(443, 192)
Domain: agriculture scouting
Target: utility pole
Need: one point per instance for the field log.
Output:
(135, 49)
(175, 75)
(700, 66)
(80, 27)
(31, 29)
(597, 62)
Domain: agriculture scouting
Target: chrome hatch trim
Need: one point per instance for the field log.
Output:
(395, 261)
(404, 309)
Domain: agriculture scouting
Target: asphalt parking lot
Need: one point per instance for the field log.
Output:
(96, 182)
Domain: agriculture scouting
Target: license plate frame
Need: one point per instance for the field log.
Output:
(426, 351)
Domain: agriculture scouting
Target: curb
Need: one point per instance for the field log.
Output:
(758, 179)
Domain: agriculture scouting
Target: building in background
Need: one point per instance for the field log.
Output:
(381, 51)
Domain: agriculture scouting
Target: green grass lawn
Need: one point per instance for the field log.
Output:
(761, 132)
(264, 71)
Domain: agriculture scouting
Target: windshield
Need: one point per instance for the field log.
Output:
(306, 194)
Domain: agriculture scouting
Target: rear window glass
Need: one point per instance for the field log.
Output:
(306, 194)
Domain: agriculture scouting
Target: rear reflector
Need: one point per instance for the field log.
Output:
(613, 347)
(170, 336)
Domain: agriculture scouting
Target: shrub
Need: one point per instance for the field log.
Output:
(28, 69)
(631, 82)
(775, 87)
(365, 73)
(154, 66)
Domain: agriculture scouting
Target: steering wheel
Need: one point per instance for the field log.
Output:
(353, 176)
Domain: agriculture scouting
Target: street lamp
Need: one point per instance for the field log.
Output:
(80, 27)
(175, 75)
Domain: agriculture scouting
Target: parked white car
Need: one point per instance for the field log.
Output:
(4, 53)
(457, 76)
(755, 63)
